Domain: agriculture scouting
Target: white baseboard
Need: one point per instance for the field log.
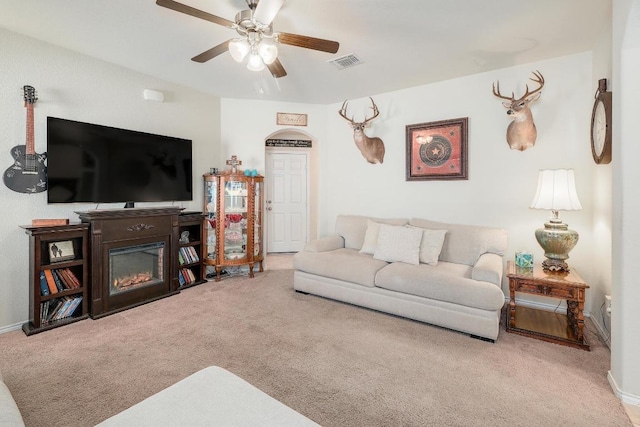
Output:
(628, 398)
(604, 334)
(10, 328)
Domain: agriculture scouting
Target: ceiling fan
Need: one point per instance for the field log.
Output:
(258, 41)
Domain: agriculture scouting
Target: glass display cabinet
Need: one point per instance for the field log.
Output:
(233, 220)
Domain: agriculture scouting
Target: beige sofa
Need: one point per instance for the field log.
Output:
(457, 285)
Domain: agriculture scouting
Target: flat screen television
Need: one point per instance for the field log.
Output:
(89, 163)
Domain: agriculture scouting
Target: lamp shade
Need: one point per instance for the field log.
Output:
(268, 52)
(556, 191)
(238, 48)
(255, 62)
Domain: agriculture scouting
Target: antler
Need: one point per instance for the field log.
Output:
(375, 113)
(497, 93)
(539, 79)
(343, 111)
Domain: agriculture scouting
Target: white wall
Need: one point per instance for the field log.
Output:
(245, 124)
(625, 345)
(602, 202)
(78, 87)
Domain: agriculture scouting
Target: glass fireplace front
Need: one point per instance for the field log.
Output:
(134, 267)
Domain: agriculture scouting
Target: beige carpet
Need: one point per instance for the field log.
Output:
(337, 364)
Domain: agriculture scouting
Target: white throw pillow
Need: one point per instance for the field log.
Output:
(370, 238)
(398, 243)
(431, 245)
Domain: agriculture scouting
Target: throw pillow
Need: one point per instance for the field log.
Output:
(398, 243)
(370, 238)
(431, 245)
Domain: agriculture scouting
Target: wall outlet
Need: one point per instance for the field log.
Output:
(607, 304)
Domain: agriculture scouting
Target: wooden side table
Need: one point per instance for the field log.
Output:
(545, 325)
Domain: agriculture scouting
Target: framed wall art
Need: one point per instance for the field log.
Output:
(291, 119)
(61, 251)
(437, 150)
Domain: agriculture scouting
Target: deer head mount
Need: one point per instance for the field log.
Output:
(372, 149)
(521, 133)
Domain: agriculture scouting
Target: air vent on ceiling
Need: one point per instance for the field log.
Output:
(346, 61)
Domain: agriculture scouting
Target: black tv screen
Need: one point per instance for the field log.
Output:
(100, 164)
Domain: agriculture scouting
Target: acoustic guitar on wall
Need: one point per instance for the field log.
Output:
(28, 174)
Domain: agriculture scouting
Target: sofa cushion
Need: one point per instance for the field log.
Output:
(464, 244)
(398, 243)
(431, 245)
(342, 264)
(447, 282)
(370, 238)
(354, 227)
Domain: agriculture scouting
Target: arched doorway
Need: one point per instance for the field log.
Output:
(288, 183)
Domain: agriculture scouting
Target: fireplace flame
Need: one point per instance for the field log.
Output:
(132, 280)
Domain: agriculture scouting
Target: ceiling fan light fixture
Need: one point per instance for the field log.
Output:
(255, 62)
(239, 48)
(268, 52)
(253, 26)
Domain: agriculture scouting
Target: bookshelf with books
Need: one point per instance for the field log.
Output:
(191, 269)
(58, 275)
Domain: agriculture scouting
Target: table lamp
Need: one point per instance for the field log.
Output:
(556, 192)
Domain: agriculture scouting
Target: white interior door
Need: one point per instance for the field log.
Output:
(286, 202)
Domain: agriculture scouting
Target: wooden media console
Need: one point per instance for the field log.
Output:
(133, 257)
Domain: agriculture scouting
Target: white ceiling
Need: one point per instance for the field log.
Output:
(402, 43)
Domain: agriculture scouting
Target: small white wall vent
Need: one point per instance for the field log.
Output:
(346, 61)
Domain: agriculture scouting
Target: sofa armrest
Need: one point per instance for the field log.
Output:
(488, 268)
(324, 244)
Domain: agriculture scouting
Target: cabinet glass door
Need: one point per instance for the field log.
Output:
(211, 200)
(235, 219)
(257, 225)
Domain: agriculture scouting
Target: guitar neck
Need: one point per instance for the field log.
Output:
(30, 137)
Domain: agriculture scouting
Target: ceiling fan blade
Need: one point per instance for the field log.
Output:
(212, 53)
(179, 7)
(309, 42)
(276, 68)
(267, 10)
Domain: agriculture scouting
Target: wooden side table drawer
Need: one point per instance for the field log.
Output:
(551, 291)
